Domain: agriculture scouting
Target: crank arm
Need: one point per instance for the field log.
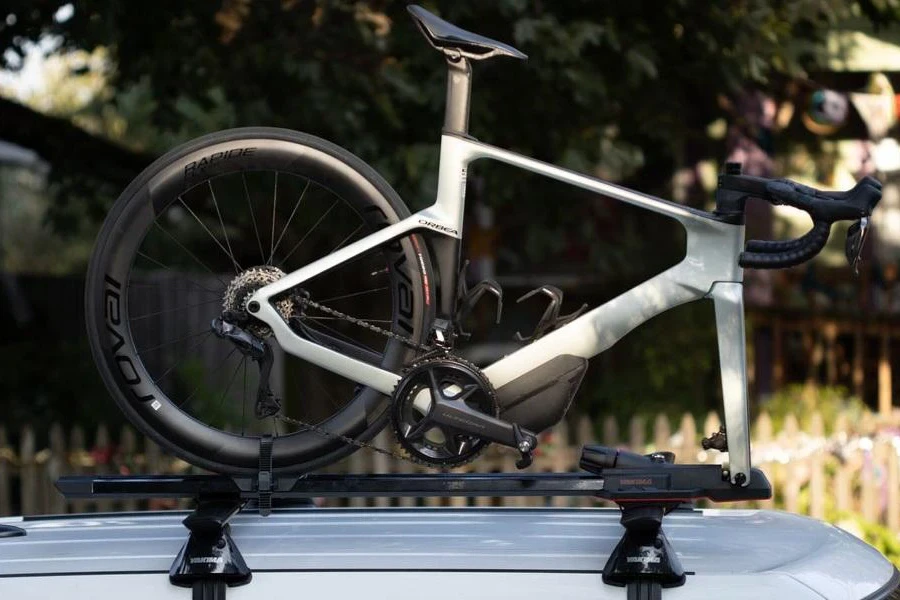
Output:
(460, 417)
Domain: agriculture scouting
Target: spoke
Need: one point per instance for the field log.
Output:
(185, 353)
(274, 206)
(262, 253)
(214, 238)
(169, 343)
(303, 239)
(171, 310)
(159, 284)
(328, 394)
(344, 241)
(222, 223)
(367, 255)
(231, 381)
(191, 396)
(168, 268)
(191, 254)
(290, 218)
(336, 298)
(200, 385)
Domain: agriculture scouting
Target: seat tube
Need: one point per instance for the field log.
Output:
(729, 303)
(459, 88)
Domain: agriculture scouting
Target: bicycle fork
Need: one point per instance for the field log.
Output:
(728, 298)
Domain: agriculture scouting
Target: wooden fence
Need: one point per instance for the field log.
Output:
(851, 350)
(852, 466)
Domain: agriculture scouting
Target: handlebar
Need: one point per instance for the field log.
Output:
(758, 254)
(825, 208)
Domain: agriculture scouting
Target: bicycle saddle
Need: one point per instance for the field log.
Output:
(456, 42)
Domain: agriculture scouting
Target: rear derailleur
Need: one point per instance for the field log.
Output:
(445, 413)
(267, 403)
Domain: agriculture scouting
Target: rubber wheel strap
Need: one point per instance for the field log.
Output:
(264, 477)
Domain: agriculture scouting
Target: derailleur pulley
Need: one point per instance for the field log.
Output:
(267, 403)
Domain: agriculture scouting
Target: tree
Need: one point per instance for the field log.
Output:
(617, 87)
(601, 76)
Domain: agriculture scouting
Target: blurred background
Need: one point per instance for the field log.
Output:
(652, 95)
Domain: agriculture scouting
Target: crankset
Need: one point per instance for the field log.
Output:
(444, 414)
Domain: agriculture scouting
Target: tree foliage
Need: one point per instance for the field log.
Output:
(616, 88)
(601, 75)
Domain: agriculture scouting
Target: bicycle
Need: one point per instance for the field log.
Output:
(167, 232)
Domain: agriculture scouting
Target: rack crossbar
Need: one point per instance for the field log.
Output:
(318, 486)
(674, 483)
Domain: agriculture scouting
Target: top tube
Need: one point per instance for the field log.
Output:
(473, 149)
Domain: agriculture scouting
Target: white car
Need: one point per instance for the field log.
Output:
(440, 554)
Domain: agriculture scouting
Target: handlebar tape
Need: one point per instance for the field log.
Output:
(797, 251)
(772, 246)
(824, 207)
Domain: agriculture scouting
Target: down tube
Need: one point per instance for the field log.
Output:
(599, 329)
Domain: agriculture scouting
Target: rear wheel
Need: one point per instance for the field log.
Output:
(198, 232)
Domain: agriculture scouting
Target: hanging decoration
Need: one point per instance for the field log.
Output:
(876, 106)
(826, 112)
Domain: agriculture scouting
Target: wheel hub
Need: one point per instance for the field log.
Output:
(242, 288)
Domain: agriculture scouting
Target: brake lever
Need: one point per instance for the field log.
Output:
(856, 241)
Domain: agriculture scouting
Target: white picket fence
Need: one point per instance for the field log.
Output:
(856, 468)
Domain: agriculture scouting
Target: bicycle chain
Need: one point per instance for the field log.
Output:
(366, 325)
(347, 440)
(306, 302)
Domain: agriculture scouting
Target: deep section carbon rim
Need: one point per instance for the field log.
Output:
(164, 274)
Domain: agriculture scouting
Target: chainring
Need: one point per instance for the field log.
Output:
(439, 445)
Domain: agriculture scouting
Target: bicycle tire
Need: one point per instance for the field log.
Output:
(226, 154)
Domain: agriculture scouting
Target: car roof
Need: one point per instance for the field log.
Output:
(749, 546)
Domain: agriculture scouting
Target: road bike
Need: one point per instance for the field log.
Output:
(257, 251)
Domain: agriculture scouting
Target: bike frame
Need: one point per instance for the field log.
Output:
(709, 270)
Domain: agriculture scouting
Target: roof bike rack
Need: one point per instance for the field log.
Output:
(646, 488)
(210, 560)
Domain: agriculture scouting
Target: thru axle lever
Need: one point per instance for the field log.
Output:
(716, 441)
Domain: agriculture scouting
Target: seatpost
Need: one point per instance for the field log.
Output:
(459, 88)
